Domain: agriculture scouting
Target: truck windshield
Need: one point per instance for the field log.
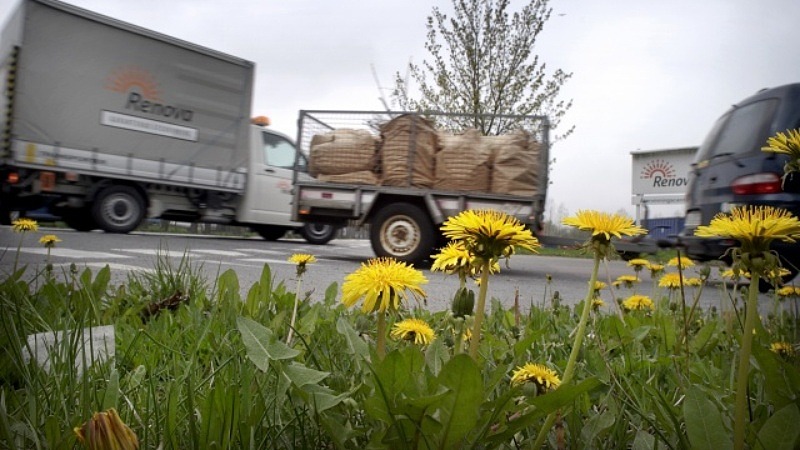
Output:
(741, 131)
(279, 152)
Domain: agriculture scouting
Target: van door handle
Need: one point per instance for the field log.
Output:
(269, 170)
(712, 179)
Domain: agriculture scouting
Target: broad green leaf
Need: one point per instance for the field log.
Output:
(436, 356)
(101, 280)
(643, 441)
(781, 431)
(596, 426)
(355, 345)
(704, 422)
(331, 293)
(134, 378)
(459, 412)
(301, 375)
(261, 348)
(705, 339)
(320, 397)
(776, 385)
(112, 391)
(640, 333)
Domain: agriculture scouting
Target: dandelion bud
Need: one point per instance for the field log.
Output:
(463, 302)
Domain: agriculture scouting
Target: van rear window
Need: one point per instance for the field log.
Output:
(741, 131)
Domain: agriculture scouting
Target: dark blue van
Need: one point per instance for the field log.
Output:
(731, 170)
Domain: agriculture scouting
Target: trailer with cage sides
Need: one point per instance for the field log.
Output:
(106, 124)
(403, 174)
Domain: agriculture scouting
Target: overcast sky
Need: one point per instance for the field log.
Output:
(646, 74)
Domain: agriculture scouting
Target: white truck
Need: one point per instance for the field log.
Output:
(108, 124)
(405, 173)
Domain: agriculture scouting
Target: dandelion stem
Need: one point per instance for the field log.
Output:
(576, 348)
(381, 347)
(294, 311)
(751, 315)
(476, 327)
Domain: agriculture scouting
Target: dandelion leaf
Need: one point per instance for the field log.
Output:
(459, 413)
(300, 375)
(704, 422)
(780, 432)
(261, 345)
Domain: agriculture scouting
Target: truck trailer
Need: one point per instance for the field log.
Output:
(108, 124)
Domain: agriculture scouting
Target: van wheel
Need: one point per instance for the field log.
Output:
(79, 219)
(403, 231)
(318, 233)
(269, 232)
(118, 209)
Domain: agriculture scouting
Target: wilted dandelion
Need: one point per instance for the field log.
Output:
(106, 431)
(383, 283)
(784, 349)
(24, 225)
(638, 302)
(787, 143)
(755, 227)
(301, 260)
(413, 330)
(542, 377)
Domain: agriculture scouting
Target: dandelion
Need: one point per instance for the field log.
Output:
(684, 262)
(655, 269)
(787, 143)
(602, 227)
(670, 281)
(784, 349)
(733, 274)
(597, 304)
(627, 280)
(755, 227)
(301, 260)
(106, 431)
(454, 258)
(693, 281)
(542, 377)
(24, 225)
(598, 286)
(640, 302)
(413, 330)
(789, 291)
(49, 240)
(383, 283)
(638, 263)
(487, 235)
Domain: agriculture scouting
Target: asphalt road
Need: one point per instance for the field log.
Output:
(526, 274)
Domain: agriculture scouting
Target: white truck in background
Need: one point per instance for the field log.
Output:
(108, 124)
(404, 173)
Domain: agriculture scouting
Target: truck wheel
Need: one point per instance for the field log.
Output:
(118, 209)
(318, 233)
(269, 232)
(79, 219)
(402, 231)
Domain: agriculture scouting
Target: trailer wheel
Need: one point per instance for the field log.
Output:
(118, 209)
(79, 219)
(269, 232)
(318, 233)
(402, 231)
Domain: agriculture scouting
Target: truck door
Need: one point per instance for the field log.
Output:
(272, 180)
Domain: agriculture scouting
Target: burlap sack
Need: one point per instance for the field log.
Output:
(361, 177)
(462, 163)
(342, 151)
(408, 151)
(515, 163)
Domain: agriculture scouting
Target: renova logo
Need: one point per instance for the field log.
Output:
(662, 173)
(143, 94)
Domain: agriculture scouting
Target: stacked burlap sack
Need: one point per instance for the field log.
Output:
(344, 156)
(408, 152)
(463, 163)
(515, 163)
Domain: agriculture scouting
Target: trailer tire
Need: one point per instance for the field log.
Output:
(404, 232)
(118, 209)
(79, 219)
(318, 233)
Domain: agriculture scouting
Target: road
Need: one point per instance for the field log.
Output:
(246, 256)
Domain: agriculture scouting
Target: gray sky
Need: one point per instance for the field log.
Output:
(646, 74)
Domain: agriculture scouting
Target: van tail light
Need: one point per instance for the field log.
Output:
(759, 183)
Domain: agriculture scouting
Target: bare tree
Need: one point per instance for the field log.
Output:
(482, 63)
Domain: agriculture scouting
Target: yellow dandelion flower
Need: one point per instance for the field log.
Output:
(782, 348)
(599, 286)
(635, 302)
(49, 240)
(692, 281)
(597, 304)
(627, 280)
(105, 430)
(787, 143)
(755, 227)
(655, 269)
(685, 262)
(413, 330)
(302, 260)
(543, 377)
(603, 225)
(670, 281)
(789, 291)
(454, 258)
(489, 234)
(383, 283)
(638, 263)
(23, 225)
(730, 274)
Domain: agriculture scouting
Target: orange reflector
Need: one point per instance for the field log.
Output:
(13, 178)
(47, 181)
(71, 176)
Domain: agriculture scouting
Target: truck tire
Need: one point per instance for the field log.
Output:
(318, 233)
(79, 219)
(404, 232)
(269, 232)
(118, 209)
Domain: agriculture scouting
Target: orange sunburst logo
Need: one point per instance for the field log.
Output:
(658, 167)
(133, 78)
